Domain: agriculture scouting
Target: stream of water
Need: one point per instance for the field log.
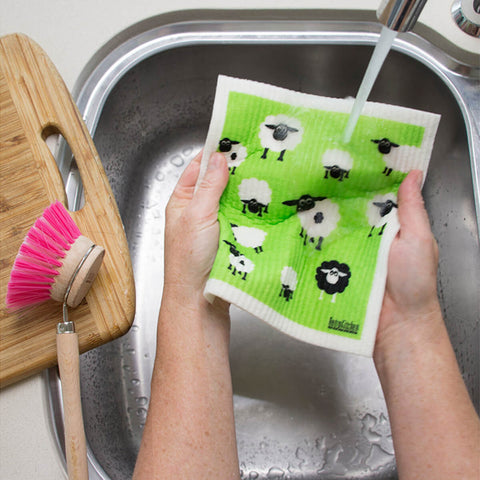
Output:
(382, 48)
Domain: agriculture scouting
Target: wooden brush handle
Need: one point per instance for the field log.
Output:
(75, 442)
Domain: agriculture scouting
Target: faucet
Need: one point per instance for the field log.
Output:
(396, 16)
(400, 15)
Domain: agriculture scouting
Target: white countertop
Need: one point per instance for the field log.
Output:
(71, 31)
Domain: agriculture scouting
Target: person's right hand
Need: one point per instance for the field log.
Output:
(411, 288)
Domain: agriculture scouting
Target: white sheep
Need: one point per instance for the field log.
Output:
(238, 262)
(318, 217)
(337, 164)
(234, 152)
(402, 158)
(288, 278)
(249, 237)
(380, 210)
(255, 195)
(280, 133)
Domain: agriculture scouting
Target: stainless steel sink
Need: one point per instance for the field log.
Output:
(301, 411)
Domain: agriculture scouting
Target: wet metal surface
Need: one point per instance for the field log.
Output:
(301, 411)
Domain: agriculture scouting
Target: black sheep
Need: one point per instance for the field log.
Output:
(332, 277)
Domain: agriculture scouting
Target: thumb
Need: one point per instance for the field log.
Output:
(412, 215)
(212, 185)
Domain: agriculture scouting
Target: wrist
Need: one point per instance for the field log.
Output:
(402, 333)
(188, 313)
(189, 298)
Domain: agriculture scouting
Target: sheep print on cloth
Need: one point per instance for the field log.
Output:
(306, 221)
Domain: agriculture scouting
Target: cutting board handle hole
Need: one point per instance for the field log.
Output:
(67, 166)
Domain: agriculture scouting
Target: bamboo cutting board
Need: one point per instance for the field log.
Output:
(35, 103)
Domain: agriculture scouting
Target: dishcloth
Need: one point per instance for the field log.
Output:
(306, 221)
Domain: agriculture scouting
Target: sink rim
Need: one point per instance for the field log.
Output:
(108, 71)
(459, 78)
(462, 79)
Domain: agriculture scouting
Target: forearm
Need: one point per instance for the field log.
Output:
(436, 431)
(190, 427)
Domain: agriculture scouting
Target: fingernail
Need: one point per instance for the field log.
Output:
(215, 161)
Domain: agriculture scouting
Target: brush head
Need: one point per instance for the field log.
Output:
(48, 259)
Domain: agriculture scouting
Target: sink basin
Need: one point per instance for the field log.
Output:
(301, 411)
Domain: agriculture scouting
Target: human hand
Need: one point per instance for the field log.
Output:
(190, 427)
(191, 229)
(435, 428)
(411, 288)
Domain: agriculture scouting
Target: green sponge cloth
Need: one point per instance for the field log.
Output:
(306, 221)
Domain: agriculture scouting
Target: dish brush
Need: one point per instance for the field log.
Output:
(55, 261)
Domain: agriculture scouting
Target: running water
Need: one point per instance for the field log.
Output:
(382, 48)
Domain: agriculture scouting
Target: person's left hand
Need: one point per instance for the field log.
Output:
(192, 229)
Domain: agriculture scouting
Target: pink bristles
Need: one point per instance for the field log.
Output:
(58, 218)
(27, 297)
(51, 235)
(38, 253)
(29, 284)
(31, 268)
(37, 239)
(39, 257)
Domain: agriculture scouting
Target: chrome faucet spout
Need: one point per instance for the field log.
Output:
(400, 15)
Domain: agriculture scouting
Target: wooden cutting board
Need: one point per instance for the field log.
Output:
(35, 103)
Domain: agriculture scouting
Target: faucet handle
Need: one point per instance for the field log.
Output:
(466, 14)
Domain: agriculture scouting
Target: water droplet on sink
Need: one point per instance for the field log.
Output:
(141, 400)
(369, 422)
(320, 443)
(275, 473)
(378, 458)
(177, 160)
(333, 462)
(302, 455)
(141, 412)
